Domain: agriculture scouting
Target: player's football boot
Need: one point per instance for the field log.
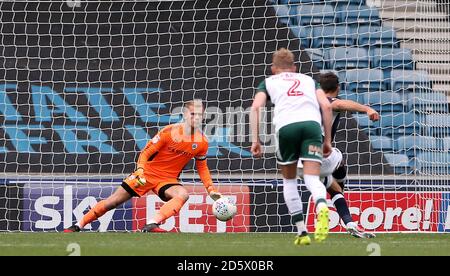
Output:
(302, 239)
(153, 228)
(357, 232)
(72, 229)
(322, 225)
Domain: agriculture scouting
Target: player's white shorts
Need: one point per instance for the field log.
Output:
(329, 165)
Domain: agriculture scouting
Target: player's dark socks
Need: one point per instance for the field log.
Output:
(342, 208)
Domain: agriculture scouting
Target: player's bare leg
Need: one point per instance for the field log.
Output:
(119, 197)
(177, 197)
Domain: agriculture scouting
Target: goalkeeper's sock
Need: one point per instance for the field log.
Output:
(96, 212)
(294, 203)
(169, 209)
(317, 189)
(342, 208)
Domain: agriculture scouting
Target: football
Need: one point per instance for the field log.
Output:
(224, 209)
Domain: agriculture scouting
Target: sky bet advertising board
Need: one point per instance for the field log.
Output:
(53, 206)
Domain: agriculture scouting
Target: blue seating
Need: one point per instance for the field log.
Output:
(322, 36)
(437, 125)
(352, 96)
(304, 33)
(396, 58)
(364, 80)
(284, 13)
(324, 71)
(371, 36)
(399, 162)
(317, 57)
(414, 145)
(358, 15)
(381, 143)
(331, 36)
(349, 2)
(409, 80)
(300, 1)
(434, 163)
(431, 102)
(384, 101)
(365, 124)
(398, 124)
(446, 144)
(347, 58)
(315, 14)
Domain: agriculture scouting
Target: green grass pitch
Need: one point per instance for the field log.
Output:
(248, 244)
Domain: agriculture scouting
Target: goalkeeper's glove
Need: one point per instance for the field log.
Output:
(139, 173)
(215, 195)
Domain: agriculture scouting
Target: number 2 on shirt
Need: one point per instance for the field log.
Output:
(293, 92)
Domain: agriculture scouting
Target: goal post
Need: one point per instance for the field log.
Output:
(84, 85)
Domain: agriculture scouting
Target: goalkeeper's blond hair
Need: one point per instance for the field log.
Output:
(195, 103)
(283, 59)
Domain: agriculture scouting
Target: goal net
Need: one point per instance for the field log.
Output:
(84, 85)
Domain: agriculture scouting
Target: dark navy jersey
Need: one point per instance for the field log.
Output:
(336, 119)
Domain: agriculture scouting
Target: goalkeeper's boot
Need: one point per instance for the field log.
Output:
(303, 239)
(322, 225)
(357, 232)
(72, 229)
(152, 228)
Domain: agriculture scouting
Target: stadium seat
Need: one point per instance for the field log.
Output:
(384, 101)
(349, 2)
(409, 80)
(399, 162)
(446, 144)
(414, 145)
(352, 96)
(315, 14)
(364, 80)
(392, 58)
(293, 2)
(357, 15)
(430, 102)
(347, 58)
(365, 124)
(381, 143)
(331, 36)
(304, 33)
(317, 57)
(437, 125)
(371, 36)
(398, 124)
(324, 71)
(283, 13)
(322, 36)
(432, 162)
